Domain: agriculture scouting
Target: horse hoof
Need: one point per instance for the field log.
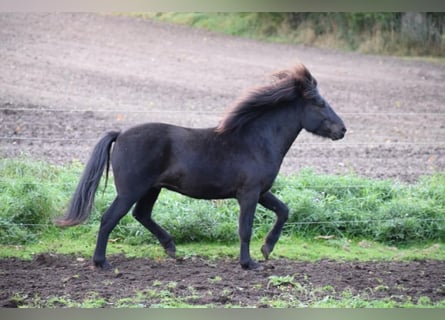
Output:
(252, 265)
(170, 249)
(102, 265)
(265, 250)
(171, 253)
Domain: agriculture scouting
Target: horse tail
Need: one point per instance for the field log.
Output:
(82, 201)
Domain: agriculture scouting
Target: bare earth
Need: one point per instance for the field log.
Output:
(216, 283)
(67, 78)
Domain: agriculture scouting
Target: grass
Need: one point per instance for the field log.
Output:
(343, 207)
(364, 32)
(296, 248)
(284, 300)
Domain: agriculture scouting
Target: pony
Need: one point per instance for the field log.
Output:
(239, 158)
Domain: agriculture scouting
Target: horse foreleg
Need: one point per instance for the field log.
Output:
(142, 213)
(110, 219)
(269, 201)
(247, 211)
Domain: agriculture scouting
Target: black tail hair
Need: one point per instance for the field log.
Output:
(83, 198)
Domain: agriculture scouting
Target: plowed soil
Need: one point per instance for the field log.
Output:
(215, 283)
(67, 78)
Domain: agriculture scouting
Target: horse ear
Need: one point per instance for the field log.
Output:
(307, 77)
(307, 83)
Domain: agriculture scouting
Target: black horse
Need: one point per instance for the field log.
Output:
(239, 159)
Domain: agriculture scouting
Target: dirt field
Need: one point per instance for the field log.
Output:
(217, 283)
(67, 78)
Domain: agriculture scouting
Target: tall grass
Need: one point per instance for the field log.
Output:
(382, 210)
(33, 193)
(371, 32)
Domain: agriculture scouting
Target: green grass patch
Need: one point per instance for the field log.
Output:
(165, 299)
(290, 247)
(327, 206)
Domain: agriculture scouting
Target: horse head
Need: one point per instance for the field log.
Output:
(317, 115)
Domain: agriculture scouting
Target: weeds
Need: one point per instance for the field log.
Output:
(277, 281)
(391, 32)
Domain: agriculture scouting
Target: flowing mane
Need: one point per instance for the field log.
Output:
(288, 85)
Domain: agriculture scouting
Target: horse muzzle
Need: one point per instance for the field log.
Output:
(338, 134)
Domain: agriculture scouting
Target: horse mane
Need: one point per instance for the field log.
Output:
(288, 85)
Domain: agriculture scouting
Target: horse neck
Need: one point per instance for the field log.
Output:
(279, 128)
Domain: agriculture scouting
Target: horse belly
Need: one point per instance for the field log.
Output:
(200, 184)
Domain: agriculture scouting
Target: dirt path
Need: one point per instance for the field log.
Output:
(66, 78)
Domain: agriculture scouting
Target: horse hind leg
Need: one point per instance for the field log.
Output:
(142, 213)
(247, 204)
(110, 219)
(269, 201)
